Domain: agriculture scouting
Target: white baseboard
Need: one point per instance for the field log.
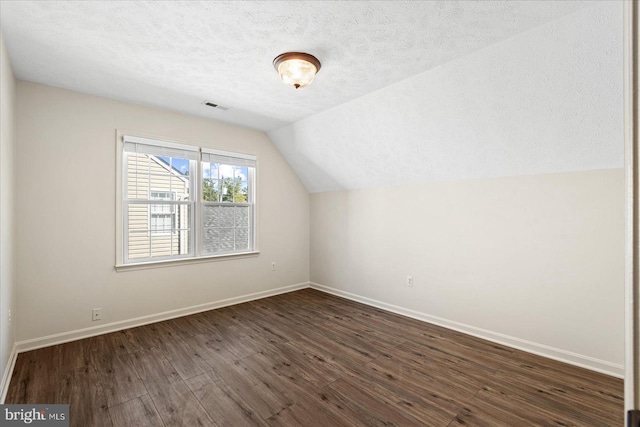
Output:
(582, 361)
(8, 371)
(78, 334)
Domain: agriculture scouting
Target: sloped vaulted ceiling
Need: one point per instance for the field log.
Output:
(548, 100)
(408, 92)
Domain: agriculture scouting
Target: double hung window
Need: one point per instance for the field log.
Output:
(181, 201)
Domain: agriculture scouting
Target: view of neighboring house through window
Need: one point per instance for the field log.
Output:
(161, 217)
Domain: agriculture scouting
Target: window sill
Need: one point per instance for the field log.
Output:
(171, 262)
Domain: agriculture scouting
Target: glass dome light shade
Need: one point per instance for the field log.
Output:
(296, 69)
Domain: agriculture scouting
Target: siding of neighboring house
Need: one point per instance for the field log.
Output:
(147, 174)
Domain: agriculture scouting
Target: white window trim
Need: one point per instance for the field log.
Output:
(197, 242)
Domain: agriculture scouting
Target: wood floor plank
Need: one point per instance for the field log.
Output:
(178, 406)
(324, 363)
(241, 340)
(159, 332)
(222, 403)
(555, 401)
(211, 348)
(593, 395)
(74, 355)
(291, 361)
(119, 380)
(83, 391)
(373, 408)
(34, 381)
(272, 321)
(506, 406)
(336, 345)
(137, 412)
(19, 384)
(138, 339)
(287, 382)
(258, 394)
(546, 369)
(423, 401)
(200, 324)
(485, 415)
(153, 368)
(454, 376)
(309, 358)
(185, 360)
(103, 347)
(310, 413)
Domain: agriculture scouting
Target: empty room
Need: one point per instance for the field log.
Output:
(310, 213)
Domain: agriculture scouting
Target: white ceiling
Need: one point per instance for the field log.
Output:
(546, 101)
(175, 55)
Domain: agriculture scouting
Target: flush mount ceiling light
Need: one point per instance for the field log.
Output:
(296, 69)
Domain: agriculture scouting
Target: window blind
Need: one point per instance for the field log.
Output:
(226, 158)
(134, 144)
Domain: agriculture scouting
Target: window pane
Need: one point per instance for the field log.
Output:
(155, 233)
(156, 177)
(226, 189)
(241, 194)
(214, 170)
(176, 164)
(138, 245)
(240, 173)
(137, 176)
(226, 240)
(242, 239)
(210, 240)
(161, 245)
(210, 190)
(242, 216)
(231, 185)
(138, 217)
(210, 215)
(226, 218)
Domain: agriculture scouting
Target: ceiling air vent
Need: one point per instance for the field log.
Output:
(214, 105)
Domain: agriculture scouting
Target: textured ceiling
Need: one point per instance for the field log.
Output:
(549, 100)
(175, 55)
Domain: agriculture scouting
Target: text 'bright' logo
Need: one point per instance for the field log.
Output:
(26, 416)
(42, 415)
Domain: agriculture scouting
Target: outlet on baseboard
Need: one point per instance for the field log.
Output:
(10, 315)
(273, 266)
(96, 314)
(410, 281)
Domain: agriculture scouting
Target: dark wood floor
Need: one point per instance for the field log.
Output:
(308, 359)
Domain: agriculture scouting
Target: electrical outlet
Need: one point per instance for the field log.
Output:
(410, 281)
(273, 266)
(9, 315)
(96, 314)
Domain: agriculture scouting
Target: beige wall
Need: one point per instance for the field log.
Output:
(65, 247)
(535, 261)
(7, 142)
